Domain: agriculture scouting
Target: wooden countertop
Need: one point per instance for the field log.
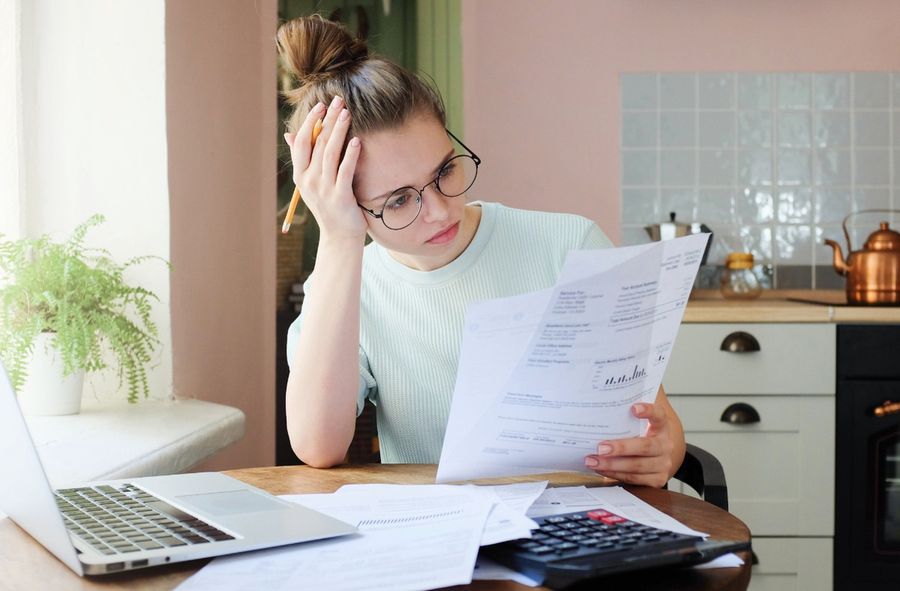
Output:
(780, 306)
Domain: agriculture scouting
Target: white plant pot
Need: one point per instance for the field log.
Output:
(46, 390)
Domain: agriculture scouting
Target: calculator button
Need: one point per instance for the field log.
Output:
(598, 514)
(542, 550)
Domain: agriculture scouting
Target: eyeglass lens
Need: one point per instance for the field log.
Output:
(454, 179)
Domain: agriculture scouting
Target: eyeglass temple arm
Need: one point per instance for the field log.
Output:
(474, 156)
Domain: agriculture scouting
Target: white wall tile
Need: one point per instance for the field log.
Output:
(832, 128)
(755, 167)
(678, 91)
(896, 169)
(793, 245)
(871, 198)
(833, 168)
(678, 167)
(639, 91)
(871, 90)
(754, 91)
(794, 166)
(715, 168)
(682, 201)
(639, 129)
(639, 167)
(754, 205)
(634, 235)
(872, 167)
(831, 91)
(756, 239)
(793, 91)
(678, 129)
(640, 205)
(795, 205)
(715, 129)
(895, 79)
(715, 204)
(794, 129)
(831, 205)
(754, 128)
(872, 128)
(716, 91)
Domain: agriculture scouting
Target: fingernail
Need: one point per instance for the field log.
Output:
(603, 449)
(591, 462)
(335, 101)
(345, 114)
(287, 138)
(354, 142)
(639, 409)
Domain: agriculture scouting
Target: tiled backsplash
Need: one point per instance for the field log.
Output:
(771, 162)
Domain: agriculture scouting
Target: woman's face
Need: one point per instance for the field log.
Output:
(411, 156)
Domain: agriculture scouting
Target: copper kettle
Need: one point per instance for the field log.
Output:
(873, 273)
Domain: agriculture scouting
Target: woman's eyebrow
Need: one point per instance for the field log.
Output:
(434, 172)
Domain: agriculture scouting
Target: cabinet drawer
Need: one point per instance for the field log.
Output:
(792, 359)
(791, 564)
(780, 470)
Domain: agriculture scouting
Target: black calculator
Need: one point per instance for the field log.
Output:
(571, 547)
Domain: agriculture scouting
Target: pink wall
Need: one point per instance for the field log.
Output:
(221, 111)
(541, 78)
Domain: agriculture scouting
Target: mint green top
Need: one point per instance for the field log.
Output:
(411, 321)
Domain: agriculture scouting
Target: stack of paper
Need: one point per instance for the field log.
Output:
(415, 537)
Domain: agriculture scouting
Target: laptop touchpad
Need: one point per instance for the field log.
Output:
(231, 502)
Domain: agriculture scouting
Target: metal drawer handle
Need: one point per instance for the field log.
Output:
(888, 408)
(740, 342)
(740, 413)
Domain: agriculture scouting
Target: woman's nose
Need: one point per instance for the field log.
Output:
(434, 204)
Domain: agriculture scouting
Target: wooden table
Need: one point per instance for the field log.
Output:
(25, 565)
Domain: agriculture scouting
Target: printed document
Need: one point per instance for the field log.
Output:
(409, 538)
(544, 376)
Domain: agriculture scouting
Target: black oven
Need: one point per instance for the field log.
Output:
(867, 469)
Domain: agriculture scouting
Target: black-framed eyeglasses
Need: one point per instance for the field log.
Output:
(454, 178)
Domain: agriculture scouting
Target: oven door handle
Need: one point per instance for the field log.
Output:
(886, 409)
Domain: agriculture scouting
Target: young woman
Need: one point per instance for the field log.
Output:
(384, 321)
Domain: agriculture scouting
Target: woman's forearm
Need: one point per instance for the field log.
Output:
(324, 380)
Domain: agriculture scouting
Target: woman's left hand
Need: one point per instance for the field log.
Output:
(643, 460)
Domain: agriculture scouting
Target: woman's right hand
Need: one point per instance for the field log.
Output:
(324, 179)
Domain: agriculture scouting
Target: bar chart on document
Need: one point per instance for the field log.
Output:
(544, 376)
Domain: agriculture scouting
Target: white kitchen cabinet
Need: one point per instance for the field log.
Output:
(795, 564)
(779, 468)
(793, 358)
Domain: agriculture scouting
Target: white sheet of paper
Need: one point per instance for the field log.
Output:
(506, 521)
(488, 570)
(421, 540)
(544, 376)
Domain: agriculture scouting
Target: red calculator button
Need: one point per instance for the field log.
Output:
(612, 519)
(598, 514)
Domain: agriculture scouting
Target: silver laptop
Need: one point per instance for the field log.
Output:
(120, 525)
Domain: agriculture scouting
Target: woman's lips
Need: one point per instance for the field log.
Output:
(445, 236)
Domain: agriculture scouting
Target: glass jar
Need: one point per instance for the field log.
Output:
(738, 280)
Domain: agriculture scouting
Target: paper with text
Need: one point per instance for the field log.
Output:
(544, 376)
(409, 538)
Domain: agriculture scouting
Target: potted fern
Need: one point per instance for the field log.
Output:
(63, 306)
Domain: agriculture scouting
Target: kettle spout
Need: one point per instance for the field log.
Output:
(839, 265)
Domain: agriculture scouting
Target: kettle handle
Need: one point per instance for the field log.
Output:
(844, 223)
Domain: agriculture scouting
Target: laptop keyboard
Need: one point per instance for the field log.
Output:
(123, 518)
